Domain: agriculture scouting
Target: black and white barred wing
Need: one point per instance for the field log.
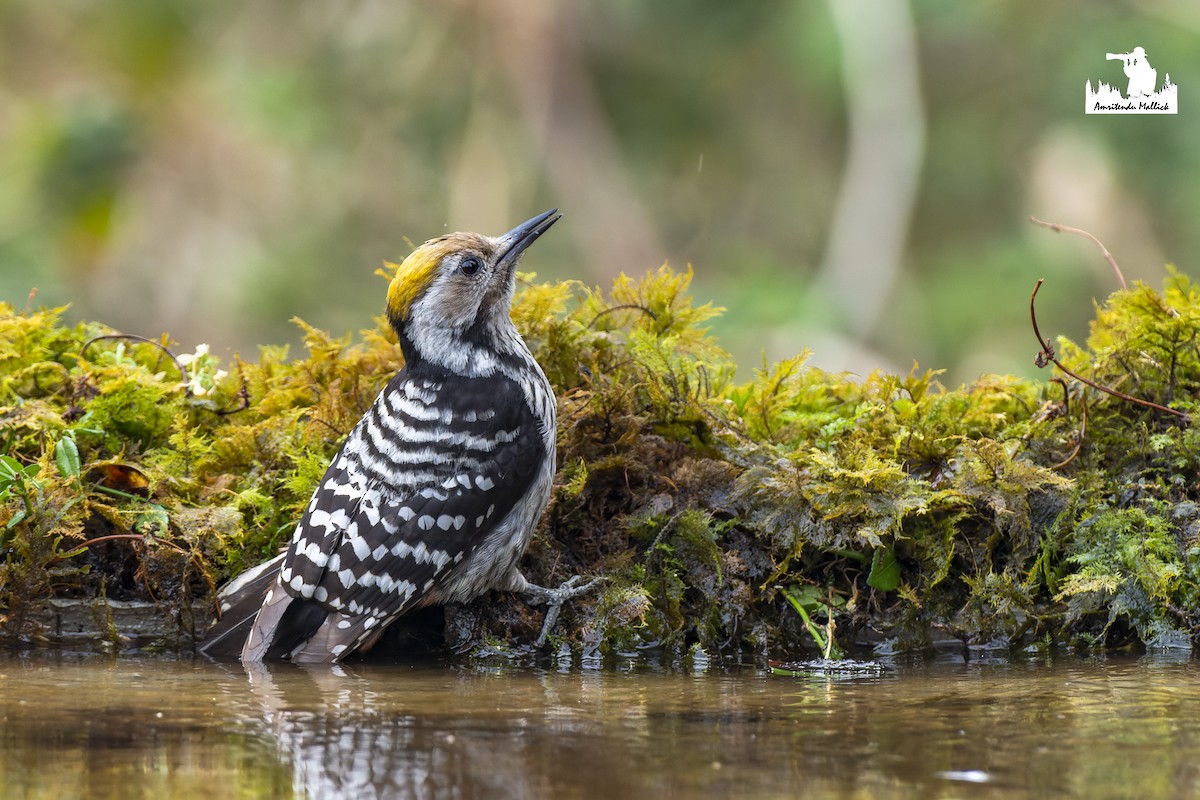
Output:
(419, 484)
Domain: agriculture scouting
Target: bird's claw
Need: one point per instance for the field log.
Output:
(556, 598)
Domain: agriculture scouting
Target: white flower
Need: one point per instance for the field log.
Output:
(203, 376)
(190, 358)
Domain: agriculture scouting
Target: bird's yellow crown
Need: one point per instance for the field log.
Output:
(415, 274)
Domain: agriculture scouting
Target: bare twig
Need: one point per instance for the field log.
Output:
(337, 431)
(133, 337)
(623, 307)
(1046, 356)
(194, 557)
(1066, 394)
(1060, 228)
(243, 401)
(1079, 437)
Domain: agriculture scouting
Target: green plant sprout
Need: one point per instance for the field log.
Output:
(807, 601)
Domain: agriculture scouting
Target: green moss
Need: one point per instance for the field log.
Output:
(890, 506)
(1129, 565)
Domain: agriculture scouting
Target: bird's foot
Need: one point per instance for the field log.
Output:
(555, 598)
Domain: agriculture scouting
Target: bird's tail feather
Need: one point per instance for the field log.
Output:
(261, 637)
(240, 600)
(338, 635)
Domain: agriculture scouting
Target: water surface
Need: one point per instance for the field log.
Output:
(90, 726)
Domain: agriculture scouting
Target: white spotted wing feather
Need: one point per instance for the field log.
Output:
(430, 476)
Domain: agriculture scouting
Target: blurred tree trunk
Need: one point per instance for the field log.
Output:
(886, 142)
(536, 46)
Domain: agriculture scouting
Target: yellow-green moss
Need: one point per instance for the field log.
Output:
(991, 511)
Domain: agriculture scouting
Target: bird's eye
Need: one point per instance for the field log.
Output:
(470, 265)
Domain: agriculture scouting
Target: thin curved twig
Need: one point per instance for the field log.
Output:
(1066, 401)
(623, 307)
(194, 557)
(136, 338)
(1079, 437)
(1047, 356)
(243, 401)
(1060, 228)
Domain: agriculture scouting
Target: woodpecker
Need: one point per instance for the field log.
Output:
(434, 494)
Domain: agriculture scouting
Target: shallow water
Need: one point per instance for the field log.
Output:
(88, 726)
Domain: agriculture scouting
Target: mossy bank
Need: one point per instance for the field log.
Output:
(799, 511)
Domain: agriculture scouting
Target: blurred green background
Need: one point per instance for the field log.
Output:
(854, 176)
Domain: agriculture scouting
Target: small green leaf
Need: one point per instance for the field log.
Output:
(13, 477)
(66, 456)
(885, 570)
(9, 467)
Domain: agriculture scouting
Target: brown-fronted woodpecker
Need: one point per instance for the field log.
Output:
(434, 494)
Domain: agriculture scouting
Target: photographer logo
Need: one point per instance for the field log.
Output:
(1143, 95)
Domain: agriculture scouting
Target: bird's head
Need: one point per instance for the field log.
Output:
(449, 301)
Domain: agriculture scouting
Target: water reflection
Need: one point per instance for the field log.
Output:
(470, 733)
(89, 727)
(76, 726)
(349, 736)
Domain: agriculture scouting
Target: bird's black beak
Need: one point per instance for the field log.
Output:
(513, 243)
